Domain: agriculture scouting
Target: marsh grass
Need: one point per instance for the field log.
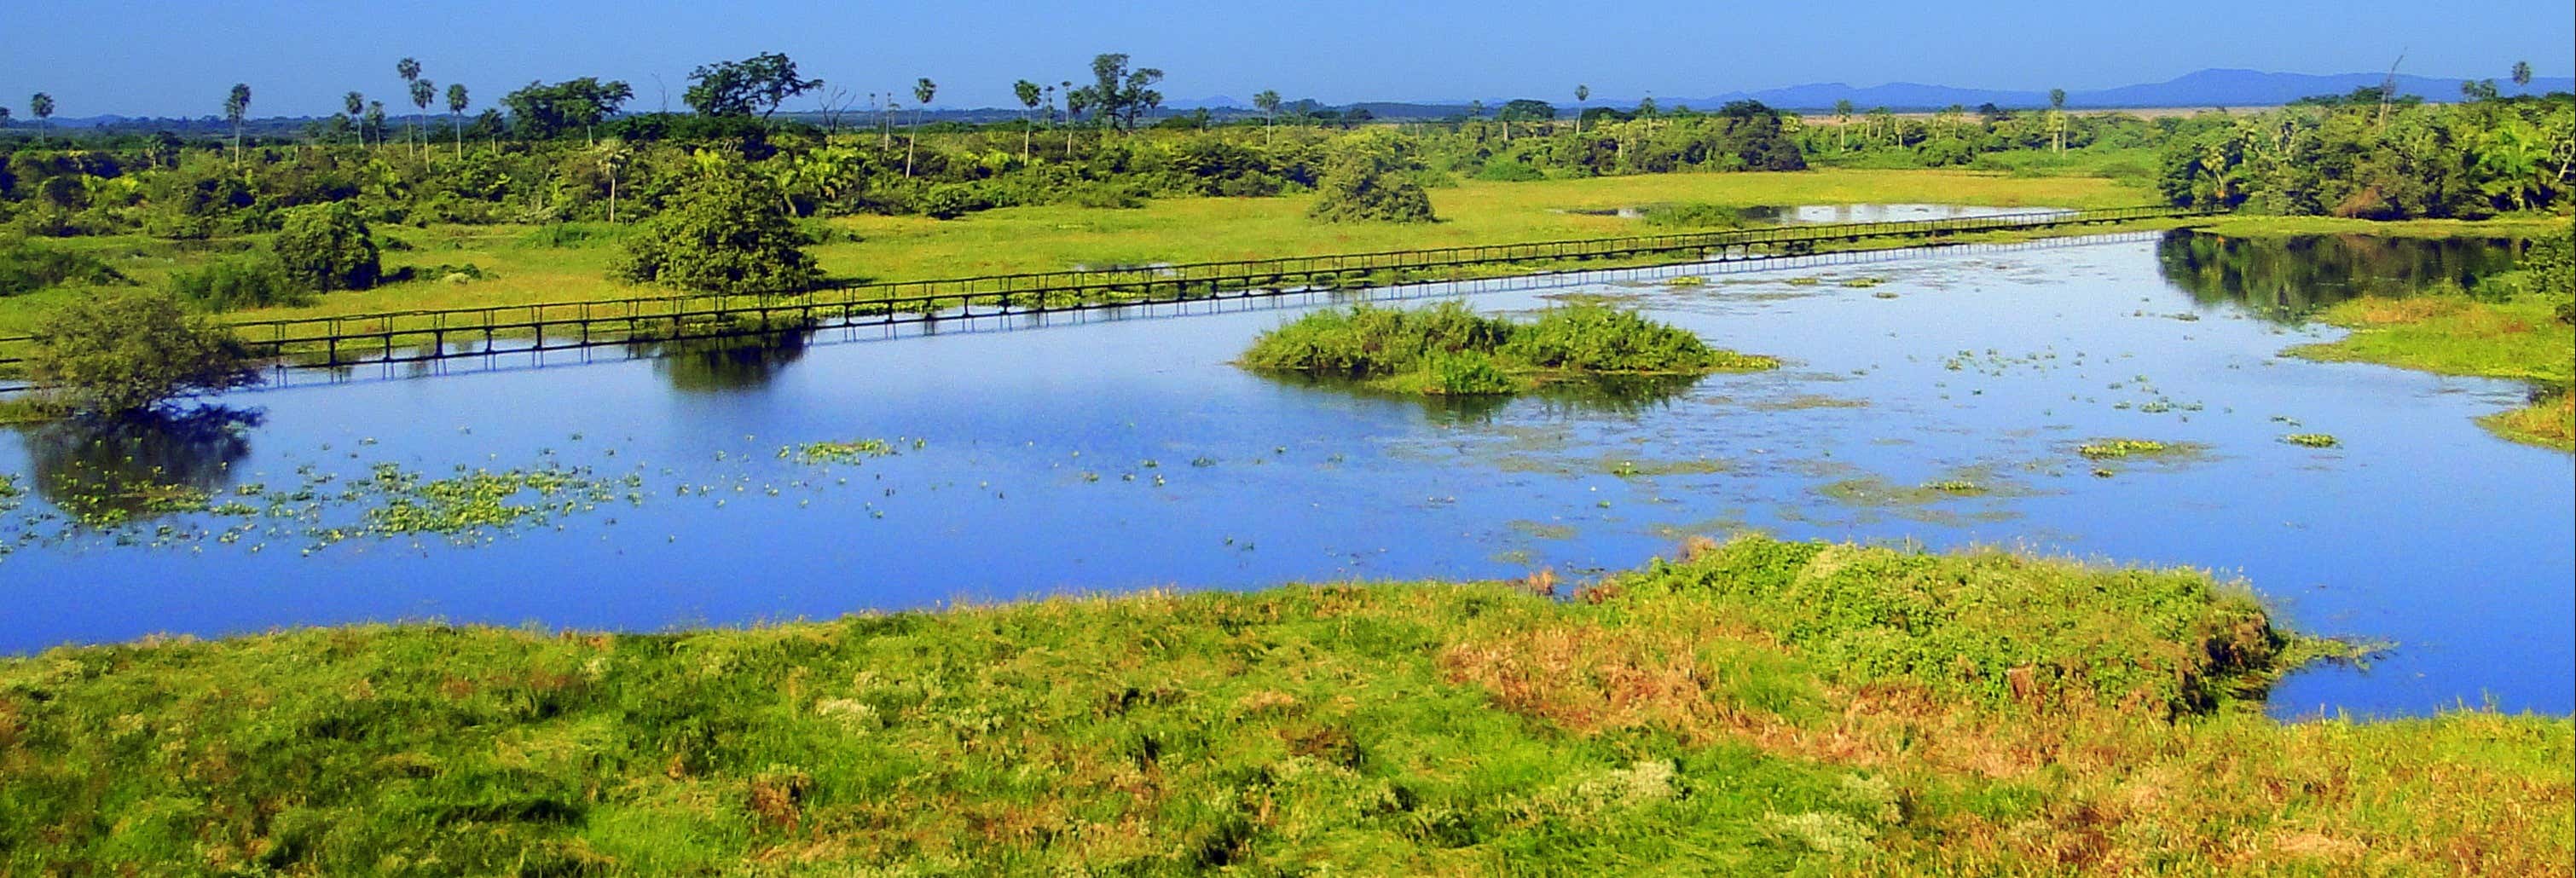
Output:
(2518, 339)
(1758, 707)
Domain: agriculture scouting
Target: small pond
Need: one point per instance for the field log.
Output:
(1117, 451)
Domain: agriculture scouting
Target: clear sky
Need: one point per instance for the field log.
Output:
(164, 57)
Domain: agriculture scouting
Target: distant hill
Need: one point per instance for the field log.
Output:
(2206, 88)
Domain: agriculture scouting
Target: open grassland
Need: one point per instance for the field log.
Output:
(1756, 708)
(571, 263)
(2454, 335)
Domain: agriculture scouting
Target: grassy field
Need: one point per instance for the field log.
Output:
(534, 264)
(2455, 335)
(1756, 708)
(2513, 226)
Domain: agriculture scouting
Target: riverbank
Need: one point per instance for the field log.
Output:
(1971, 713)
(2521, 339)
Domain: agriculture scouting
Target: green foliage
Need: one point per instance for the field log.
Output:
(131, 350)
(1447, 349)
(1596, 338)
(1696, 216)
(252, 280)
(541, 111)
(1510, 172)
(327, 247)
(26, 266)
(1371, 178)
(739, 88)
(721, 233)
(1991, 626)
(1762, 708)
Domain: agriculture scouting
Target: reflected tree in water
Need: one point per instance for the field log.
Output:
(731, 363)
(2289, 277)
(137, 465)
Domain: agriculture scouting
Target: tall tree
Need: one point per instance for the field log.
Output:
(1074, 101)
(375, 120)
(1582, 93)
(409, 70)
(42, 107)
(2522, 73)
(738, 88)
(236, 106)
(1842, 123)
(1268, 103)
(456, 104)
(422, 93)
(922, 89)
(1119, 95)
(354, 106)
(2057, 117)
(1028, 93)
(541, 111)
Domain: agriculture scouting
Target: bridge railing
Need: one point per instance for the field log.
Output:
(395, 336)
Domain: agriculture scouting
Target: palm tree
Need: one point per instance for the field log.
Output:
(2057, 117)
(1842, 123)
(456, 103)
(1028, 94)
(422, 92)
(42, 106)
(922, 89)
(1582, 93)
(237, 105)
(1268, 103)
(612, 156)
(409, 70)
(353, 104)
(1065, 87)
(2522, 73)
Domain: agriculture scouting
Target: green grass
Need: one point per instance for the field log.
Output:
(571, 262)
(2519, 339)
(1762, 707)
(1449, 350)
(2509, 226)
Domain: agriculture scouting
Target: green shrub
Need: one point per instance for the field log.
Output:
(722, 233)
(327, 247)
(1696, 216)
(1467, 373)
(131, 350)
(1596, 338)
(1371, 178)
(26, 266)
(253, 280)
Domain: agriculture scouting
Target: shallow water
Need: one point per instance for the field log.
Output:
(1112, 454)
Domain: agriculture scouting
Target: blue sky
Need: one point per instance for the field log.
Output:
(169, 58)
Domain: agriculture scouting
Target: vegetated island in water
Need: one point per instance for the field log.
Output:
(1448, 350)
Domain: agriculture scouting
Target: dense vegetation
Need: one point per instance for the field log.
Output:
(2351, 155)
(1983, 713)
(1449, 350)
(132, 350)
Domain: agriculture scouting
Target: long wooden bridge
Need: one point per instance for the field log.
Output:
(423, 335)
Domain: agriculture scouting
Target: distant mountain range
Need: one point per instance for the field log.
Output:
(2206, 88)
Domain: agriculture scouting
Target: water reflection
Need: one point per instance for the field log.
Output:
(717, 365)
(1616, 395)
(135, 466)
(2287, 278)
